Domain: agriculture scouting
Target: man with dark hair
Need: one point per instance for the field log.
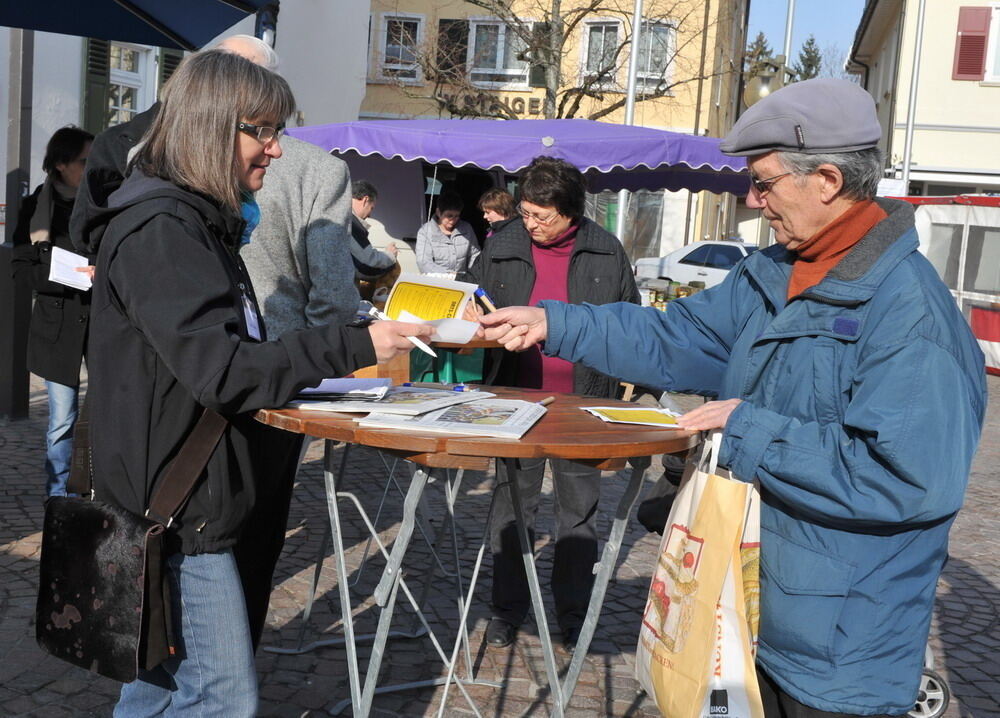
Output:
(111, 149)
(369, 262)
(446, 244)
(846, 381)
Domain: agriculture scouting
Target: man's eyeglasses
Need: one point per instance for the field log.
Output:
(541, 220)
(264, 135)
(763, 186)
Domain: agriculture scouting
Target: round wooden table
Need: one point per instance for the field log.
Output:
(564, 432)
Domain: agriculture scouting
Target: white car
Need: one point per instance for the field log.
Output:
(707, 262)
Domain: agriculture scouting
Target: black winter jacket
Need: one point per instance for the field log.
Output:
(599, 273)
(170, 336)
(103, 174)
(57, 336)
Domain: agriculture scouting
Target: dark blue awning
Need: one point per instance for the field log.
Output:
(182, 24)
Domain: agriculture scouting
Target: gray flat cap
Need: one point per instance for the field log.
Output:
(813, 116)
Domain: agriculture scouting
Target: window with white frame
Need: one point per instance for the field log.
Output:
(602, 51)
(496, 52)
(402, 35)
(130, 82)
(992, 73)
(656, 49)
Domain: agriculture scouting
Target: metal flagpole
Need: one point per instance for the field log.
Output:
(788, 30)
(911, 110)
(633, 66)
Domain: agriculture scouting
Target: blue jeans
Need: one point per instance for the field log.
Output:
(59, 437)
(213, 673)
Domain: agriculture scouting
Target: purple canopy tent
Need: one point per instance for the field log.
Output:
(612, 157)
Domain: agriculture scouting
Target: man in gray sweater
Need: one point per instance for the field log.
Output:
(299, 260)
(299, 256)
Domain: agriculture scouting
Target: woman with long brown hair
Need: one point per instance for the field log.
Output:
(176, 329)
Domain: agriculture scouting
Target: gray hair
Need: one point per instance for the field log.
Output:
(862, 169)
(192, 142)
(252, 48)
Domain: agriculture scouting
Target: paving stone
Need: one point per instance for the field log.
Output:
(965, 633)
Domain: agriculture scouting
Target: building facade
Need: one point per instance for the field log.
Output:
(543, 59)
(956, 120)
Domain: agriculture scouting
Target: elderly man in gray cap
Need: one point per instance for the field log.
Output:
(845, 380)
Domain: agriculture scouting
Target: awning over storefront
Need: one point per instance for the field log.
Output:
(612, 157)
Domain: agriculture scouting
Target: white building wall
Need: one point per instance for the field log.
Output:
(323, 49)
(957, 123)
(57, 94)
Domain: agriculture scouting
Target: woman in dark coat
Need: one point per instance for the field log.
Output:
(57, 337)
(176, 330)
(550, 252)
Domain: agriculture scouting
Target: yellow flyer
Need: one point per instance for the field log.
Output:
(640, 415)
(429, 298)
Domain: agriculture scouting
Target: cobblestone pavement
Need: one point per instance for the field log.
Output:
(965, 633)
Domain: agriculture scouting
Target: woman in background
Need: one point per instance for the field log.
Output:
(553, 253)
(497, 207)
(57, 336)
(446, 244)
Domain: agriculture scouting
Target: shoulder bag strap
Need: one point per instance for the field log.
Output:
(176, 486)
(80, 480)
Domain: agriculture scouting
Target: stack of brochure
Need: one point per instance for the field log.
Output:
(404, 400)
(501, 418)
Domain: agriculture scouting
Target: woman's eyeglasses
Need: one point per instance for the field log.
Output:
(763, 186)
(541, 220)
(264, 135)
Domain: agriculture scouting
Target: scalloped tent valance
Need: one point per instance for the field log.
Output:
(612, 157)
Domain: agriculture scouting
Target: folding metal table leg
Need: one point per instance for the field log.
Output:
(464, 620)
(425, 629)
(538, 607)
(330, 480)
(603, 569)
(385, 596)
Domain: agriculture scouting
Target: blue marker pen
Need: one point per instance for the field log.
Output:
(485, 298)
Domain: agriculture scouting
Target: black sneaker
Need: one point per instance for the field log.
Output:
(500, 633)
(570, 637)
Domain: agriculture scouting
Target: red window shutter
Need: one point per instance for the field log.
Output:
(970, 45)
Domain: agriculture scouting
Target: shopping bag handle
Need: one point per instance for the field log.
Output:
(711, 444)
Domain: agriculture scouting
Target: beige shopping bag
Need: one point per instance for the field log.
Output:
(698, 638)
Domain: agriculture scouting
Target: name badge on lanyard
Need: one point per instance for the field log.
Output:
(250, 312)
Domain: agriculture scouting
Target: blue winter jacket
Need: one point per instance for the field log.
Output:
(863, 401)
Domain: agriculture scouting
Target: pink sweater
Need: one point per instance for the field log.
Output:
(551, 261)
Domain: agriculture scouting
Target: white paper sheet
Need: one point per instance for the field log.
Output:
(62, 269)
(349, 386)
(452, 331)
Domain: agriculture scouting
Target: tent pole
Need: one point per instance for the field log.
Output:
(15, 298)
(633, 65)
(911, 109)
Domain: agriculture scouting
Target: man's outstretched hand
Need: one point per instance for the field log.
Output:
(712, 415)
(516, 328)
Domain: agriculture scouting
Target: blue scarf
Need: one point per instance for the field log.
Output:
(250, 211)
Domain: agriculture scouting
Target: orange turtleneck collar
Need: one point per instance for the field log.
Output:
(821, 252)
